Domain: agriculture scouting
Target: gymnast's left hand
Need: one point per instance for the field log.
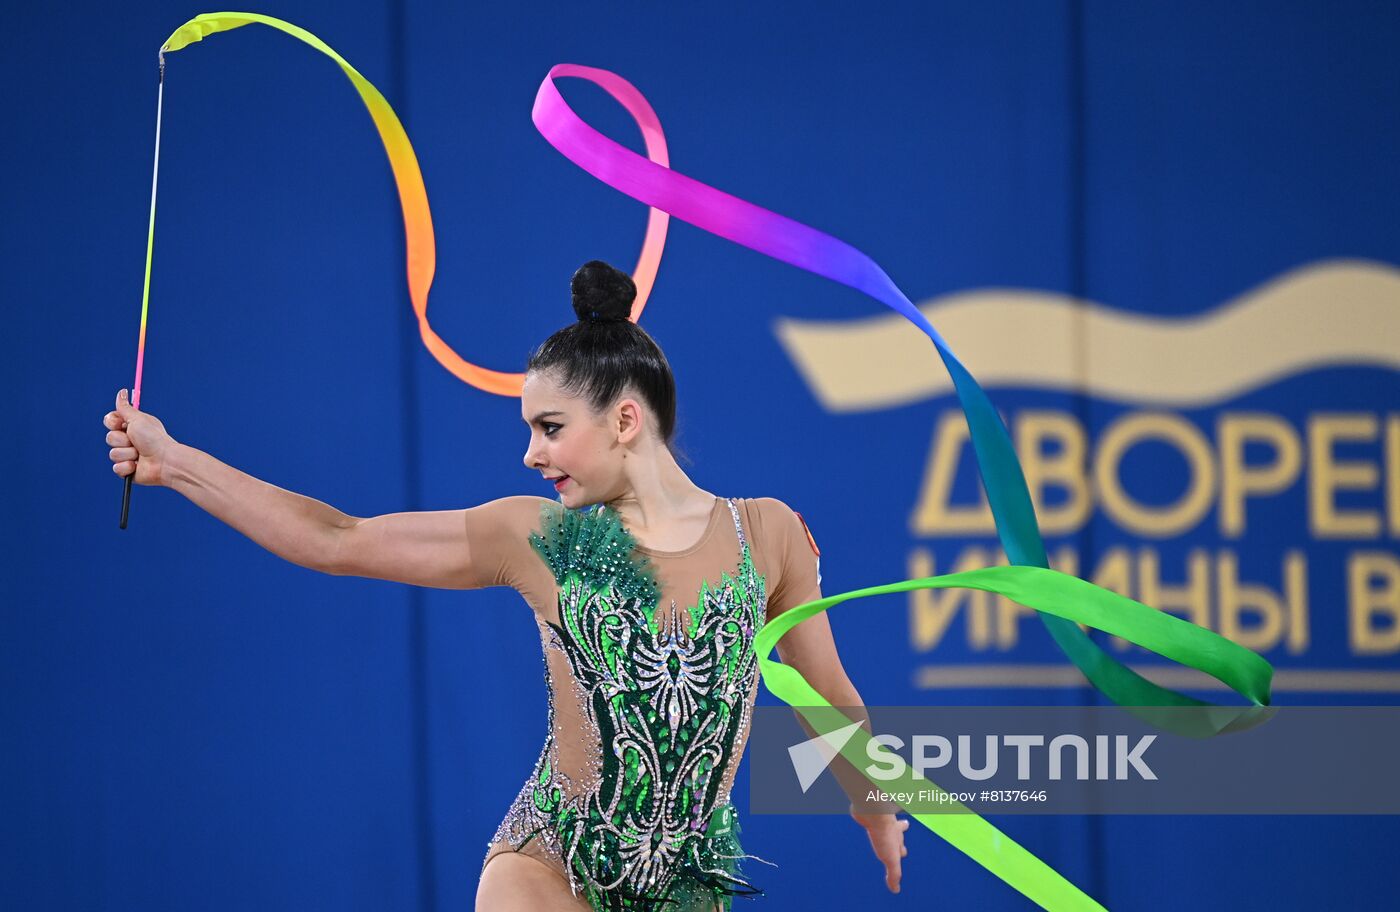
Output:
(886, 833)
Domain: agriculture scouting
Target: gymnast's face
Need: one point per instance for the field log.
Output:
(582, 453)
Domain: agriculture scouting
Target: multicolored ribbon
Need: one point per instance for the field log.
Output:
(1062, 602)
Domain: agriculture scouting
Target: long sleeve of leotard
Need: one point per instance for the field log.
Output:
(798, 581)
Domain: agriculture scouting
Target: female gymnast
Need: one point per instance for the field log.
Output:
(647, 591)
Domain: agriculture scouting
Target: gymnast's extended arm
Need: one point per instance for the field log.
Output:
(422, 549)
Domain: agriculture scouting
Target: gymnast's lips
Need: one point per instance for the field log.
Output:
(558, 481)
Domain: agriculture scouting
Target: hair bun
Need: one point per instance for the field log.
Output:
(602, 294)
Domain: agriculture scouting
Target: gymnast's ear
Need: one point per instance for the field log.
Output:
(629, 419)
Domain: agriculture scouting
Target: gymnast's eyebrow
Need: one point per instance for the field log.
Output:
(542, 415)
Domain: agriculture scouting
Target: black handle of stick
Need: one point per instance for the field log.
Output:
(126, 499)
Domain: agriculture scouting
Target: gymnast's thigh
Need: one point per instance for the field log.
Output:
(514, 882)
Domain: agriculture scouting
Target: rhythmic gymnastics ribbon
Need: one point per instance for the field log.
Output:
(421, 249)
(1061, 601)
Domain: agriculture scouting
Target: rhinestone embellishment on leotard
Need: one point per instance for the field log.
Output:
(668, 695)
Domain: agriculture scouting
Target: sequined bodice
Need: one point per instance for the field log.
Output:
(662, 698)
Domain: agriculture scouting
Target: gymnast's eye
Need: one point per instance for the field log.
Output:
(550, 428)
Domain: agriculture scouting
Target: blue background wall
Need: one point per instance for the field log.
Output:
(187, 721)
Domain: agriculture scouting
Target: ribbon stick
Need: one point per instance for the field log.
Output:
(1059, 600)
(413, 196)
(145, 288)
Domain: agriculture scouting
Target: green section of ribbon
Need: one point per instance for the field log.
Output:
(1072, 599)
(1075, 601)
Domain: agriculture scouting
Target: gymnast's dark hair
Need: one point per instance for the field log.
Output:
(604, 352)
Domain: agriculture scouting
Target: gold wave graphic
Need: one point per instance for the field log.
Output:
(1326, 314)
